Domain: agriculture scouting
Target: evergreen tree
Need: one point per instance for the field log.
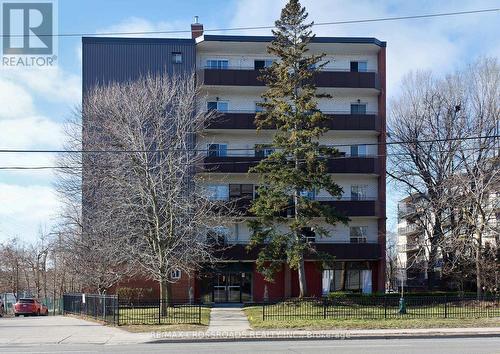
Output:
(298, 167)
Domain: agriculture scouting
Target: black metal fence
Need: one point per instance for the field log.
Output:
(368, 307)
(160, 312)
(99, 307)
(111, 309)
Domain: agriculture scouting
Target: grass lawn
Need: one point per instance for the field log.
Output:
(177, 318)
(254, 315)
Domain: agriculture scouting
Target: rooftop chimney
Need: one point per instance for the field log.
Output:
(196, 28)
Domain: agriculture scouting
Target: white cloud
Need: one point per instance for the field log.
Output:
(30, 132)
(53, 84)
(24, 208)
(137, 24)
(15, 100)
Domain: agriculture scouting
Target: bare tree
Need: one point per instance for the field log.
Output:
(92, 259)
(449, 157)
(427, 117)
(146, 191)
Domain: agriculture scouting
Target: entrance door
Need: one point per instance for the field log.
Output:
(227, 287)
(219, 290)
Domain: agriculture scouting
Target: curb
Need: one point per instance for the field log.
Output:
(325, 336)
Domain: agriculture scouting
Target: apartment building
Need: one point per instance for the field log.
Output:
(227, 67)
(414, 229)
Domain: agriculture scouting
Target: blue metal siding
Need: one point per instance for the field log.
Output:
(107, 60)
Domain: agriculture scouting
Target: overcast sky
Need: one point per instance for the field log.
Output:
(35, 103)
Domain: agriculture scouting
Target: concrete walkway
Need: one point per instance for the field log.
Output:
(230, 318)
(63, 330)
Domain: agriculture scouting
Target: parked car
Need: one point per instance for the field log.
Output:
(27, 307)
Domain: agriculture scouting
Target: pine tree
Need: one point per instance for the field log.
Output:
(298, 165)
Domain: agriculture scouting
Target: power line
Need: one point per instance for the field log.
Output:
(401, 142)
(254, 161)
(369, 20)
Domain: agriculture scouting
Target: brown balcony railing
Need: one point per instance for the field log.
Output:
(346, 206)
(241, 164)
(338, 121)
(235, 76)
(341, 251)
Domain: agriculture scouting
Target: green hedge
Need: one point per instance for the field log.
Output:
(341, 294)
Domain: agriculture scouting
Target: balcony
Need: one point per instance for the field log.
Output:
(346, 206)
(409, 229)
(338, 121)
(242, 76)
(341, 251)
(241, 164)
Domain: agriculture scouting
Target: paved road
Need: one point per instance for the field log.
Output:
(382, 346)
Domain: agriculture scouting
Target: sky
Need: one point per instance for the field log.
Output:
(34, 103)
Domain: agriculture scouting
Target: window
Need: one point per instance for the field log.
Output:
(263, 151)
(262, 63)
(218, 192)
(359, 66)
(217, 235)
(221, 106)
(308, 234)
(358, 150)
(358, 192)
(354, 277)
(358, 234)
(217, 63)
(358, 108)
(241, 191)
(177, 57)
(217, 150)
(308, 194)
(258, 107)
(332, 280)
(175, 274)
(353, 281)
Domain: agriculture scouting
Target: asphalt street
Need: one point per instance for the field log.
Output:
(386, 346)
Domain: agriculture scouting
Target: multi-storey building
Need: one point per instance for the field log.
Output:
(227, 67)
(414, 230)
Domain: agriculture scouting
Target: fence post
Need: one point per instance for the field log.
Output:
(159, 311)
(385, 307)
(117, 311)
(199, 313)
(263, 312)
(445, 307)
(324, 309)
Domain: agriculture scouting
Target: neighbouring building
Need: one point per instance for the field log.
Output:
(227, 67)
(413, 245)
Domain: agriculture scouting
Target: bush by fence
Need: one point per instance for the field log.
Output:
(366, 307)
(111, 309)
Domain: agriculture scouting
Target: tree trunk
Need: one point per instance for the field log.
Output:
(478, 265)
(433, 253)
(302, 278)
(165, 295)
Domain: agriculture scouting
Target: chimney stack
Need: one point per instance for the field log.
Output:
(196, 28)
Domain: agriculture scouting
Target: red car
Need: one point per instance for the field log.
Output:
(27, 307)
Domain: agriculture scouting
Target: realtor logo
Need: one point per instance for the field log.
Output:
(28, 33)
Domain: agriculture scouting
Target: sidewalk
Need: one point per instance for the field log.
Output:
(228, 319)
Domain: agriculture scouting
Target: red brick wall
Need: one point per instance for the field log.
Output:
(275, 290)
(180, 289)
(313, 280)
